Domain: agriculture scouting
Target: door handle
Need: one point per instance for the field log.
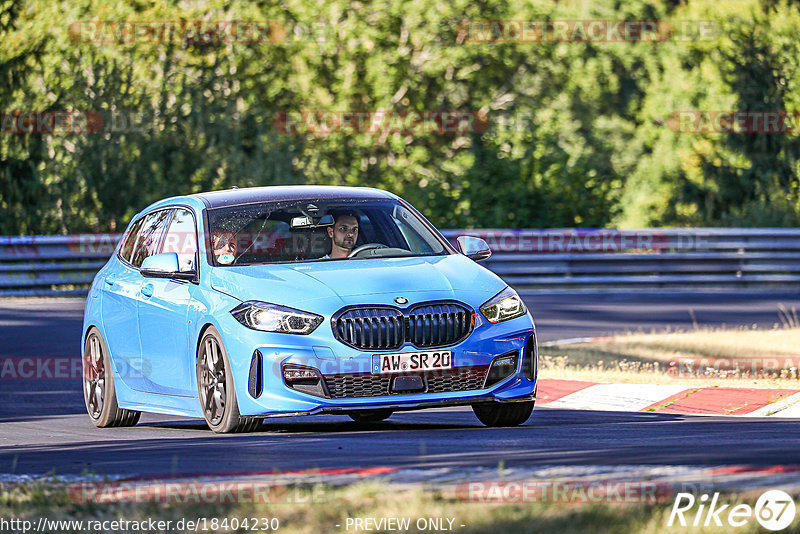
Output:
(147, 290)
(109, 281)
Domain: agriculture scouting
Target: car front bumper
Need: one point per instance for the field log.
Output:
(272, 397)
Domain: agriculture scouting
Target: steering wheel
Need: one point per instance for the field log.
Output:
(365, 246)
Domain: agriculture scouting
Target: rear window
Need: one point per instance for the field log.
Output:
(129, 239)
(181, 239)
(148, 238)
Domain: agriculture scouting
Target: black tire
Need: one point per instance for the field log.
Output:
(503, 414)
(215, 387)
(370, 416)
(99, 393)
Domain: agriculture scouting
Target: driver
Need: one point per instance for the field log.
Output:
(343, 234)
(224, 247)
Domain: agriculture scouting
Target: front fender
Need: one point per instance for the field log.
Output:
(210, 308)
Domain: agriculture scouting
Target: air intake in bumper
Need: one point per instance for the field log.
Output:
(502, 367)
(530, 360)
(346, 386)
(255, 379)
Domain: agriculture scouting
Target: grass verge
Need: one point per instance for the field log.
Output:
(330, 509)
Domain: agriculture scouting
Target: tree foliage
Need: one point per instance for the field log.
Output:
(578, 132)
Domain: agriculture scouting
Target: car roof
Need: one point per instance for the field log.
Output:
(247, 195)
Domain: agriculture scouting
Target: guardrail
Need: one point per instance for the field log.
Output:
(52, 265)
(526, 259)
(647, 258)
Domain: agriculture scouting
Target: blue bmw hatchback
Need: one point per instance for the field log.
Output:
(243, 304)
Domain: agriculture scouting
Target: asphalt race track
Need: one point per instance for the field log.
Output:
(44, 428)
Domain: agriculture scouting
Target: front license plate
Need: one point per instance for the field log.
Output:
(404, 362)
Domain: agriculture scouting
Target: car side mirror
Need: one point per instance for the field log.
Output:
(474, 248)
(165, 266)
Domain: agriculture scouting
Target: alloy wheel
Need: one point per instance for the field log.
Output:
(212, 385)
(94, 380)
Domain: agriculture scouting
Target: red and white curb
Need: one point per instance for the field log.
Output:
(661, 398)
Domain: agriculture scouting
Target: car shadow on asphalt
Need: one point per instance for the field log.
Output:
(427, 421)
(318, 427)
(429, 439)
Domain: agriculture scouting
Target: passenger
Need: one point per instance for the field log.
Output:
(224, 247)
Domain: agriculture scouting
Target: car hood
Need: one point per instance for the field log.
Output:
(452, 276)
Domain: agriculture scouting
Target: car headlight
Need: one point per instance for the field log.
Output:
(273, 318)
(503, 306)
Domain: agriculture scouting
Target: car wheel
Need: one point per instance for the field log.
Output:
(370, 416)
(215, 387)
(503, 414)
(98, 385)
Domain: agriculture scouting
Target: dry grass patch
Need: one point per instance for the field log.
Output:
(705, 357)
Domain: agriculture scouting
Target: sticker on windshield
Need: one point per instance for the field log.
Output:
(225, 259)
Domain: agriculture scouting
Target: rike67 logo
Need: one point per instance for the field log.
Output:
(774, 510)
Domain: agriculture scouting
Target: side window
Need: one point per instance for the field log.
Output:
(182, 239)
(149, 236)
(129, 240)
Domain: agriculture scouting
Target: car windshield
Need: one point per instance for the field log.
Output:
(317, 230)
